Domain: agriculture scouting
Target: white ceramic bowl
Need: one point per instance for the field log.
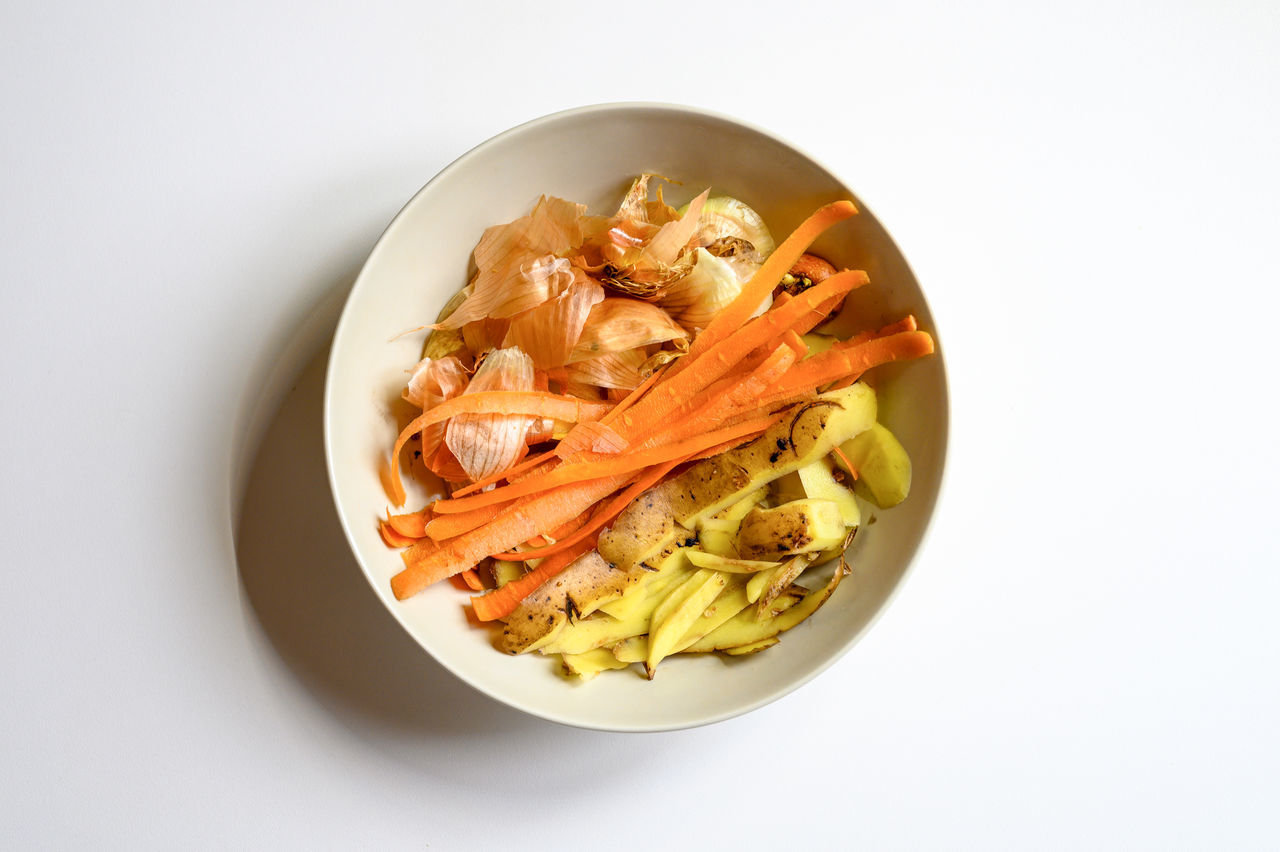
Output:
(590, 155)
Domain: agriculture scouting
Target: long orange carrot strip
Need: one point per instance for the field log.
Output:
(534, 403)
(472, 579)
(391, 538)
(567, 527)
(590, 438)
(795, 343)
(503, 601)
(599, 465)
(729, 397)
(907, 323)
(412, 525)
(544, 538)
(584, 437)
(719, 359)
(444, 527)
(840, 361)
(509, 474)
(817, 316)
(425, 563)
(647, 480)
(630, 399)
(725, 447)
(767, 277)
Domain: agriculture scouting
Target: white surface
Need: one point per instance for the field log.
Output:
(590, 155)
(1085, 656)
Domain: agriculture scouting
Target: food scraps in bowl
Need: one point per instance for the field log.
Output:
(641, 438)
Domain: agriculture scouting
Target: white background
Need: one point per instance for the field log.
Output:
(1086, 654)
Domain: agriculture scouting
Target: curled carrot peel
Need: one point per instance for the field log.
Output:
(392, 538)
(425, 563)
(448, 526)
(533, 403)
(411, 525)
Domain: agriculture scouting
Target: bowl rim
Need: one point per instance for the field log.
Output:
(943, 416)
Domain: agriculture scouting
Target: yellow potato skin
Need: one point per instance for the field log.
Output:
(820, 484)
(589, 664)
(750, 648)
(575, 592)
(688, 605)
(638, 561)
(745, 629)
(801, 526)
(883, 466)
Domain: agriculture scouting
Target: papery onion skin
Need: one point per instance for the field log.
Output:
(696, 298)
(484, 335)
(549, 332)
(433, 381)
(510, 259)
(485, 444)
(726, 217)
(614, 370)
(618, 324)
(442, 342)
(672, 238)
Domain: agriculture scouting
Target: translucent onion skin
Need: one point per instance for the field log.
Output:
(724, 217)
(549, 332)
(433, 381)
(485, 444)
(708, 287)
(617, 324)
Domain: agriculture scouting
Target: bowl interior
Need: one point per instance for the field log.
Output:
(590, 155)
